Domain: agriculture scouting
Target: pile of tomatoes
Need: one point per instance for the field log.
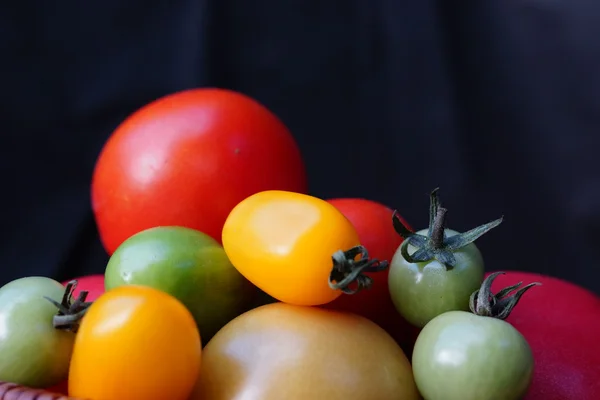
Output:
(227, 280)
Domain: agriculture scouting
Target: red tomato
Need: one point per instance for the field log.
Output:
(93, 284)
(373, 222)
(561, 322)
(61, 388)
(186, 160)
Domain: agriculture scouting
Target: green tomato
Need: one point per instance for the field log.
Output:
(423, 290)
(462, 356)
(190, 266)
(474, 356)
(32, 352)
(436, 269)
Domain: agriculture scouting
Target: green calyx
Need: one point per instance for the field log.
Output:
(487, 304)
(436, 244)
(70, 312)
(347, 273)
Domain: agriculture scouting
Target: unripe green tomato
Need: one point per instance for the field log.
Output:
(462, 356)
(32, 352)
(421, 291)
(189, 265)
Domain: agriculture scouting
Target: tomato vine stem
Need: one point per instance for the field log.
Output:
(436, 244)
(347, 270)
(439, 225)
(70, 312)
(487, 304)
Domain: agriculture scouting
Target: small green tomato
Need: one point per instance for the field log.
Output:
(474, 356)
(36, 340)
(435, 270)
(189, 265)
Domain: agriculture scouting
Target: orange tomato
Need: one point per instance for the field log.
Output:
(135, 343)
(283, 242)
(286, 352)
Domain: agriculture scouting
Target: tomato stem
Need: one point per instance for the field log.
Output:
(70, 312)
(347, 270)
(437, 231)
(487, 304)
(436, 244)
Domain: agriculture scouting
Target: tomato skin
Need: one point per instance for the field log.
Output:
(561, 322)
(372, 221)
(421, 291)
(93, 284)
(282, 242)
(282, 351)
(60, 388)
(462, 356)
(188, 265)
(187, 159)
(134, 343)
(34, 354)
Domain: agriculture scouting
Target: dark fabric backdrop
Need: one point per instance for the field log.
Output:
(496, 102)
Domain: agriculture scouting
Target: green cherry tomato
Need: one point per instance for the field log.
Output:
(188, 265)
(474, 356)
(32, 352)
(435, 270)
(423, 290)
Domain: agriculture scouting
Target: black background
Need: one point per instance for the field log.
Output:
(496, 102)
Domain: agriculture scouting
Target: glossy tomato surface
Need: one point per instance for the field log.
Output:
(135, 343)
(561, 322)
(190, 266)
(373, 223)
(281, 351)
(93, 284)
(462, 356)
(283, 243)
(32, 352)
(187, 159)
(423, 290)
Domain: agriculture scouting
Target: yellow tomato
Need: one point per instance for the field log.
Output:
(283, 242)
(135, 343)
(287, 352)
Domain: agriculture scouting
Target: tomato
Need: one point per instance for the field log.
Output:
(435, 270)
(187, 159)
(135, 342)
(92, 284)
(282, 351)
(372, 223)
(284, 242)
(60, 388)
(187, 264)
(474, 356)
(34, 353)
(561, 322)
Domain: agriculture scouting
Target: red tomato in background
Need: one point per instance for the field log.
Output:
(93, 284)
(187, 159)
(561, 322)
(373, 222)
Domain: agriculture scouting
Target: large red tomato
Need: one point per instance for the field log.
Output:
(187, 159)
(373, 222)
(561, 322)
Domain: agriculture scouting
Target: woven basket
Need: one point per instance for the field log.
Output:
(11, 391)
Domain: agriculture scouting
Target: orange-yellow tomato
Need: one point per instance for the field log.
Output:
(283, 242)
(135, 343)
(282, 351)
